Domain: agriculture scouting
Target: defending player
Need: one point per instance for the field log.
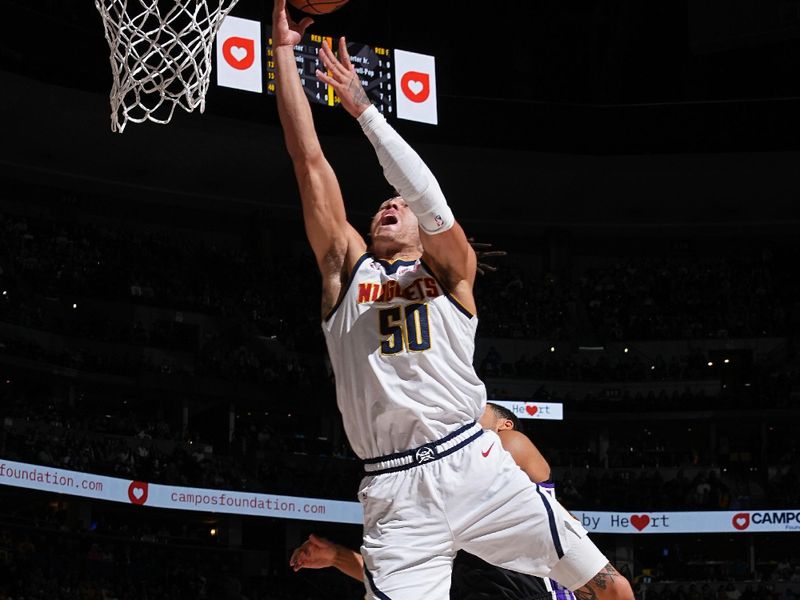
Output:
(400, 328)
(473, 579)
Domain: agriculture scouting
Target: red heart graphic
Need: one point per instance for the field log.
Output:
(239, 52)
(416, 86)
(531, 409)
(640, 521)
(137, 492)
(741, 521)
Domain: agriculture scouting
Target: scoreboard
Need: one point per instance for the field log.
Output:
(400, 83)
(372, 64)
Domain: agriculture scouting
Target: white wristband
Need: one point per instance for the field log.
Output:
(407, 173)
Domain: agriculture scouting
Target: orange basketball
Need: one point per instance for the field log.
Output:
(318, 7)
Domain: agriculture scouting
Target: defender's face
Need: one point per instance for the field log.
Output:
(493, 421)
(394, 222)
(488, 419)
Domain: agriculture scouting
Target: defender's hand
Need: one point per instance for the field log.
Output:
(482, 252)
(314, 553)
(285, 32)
(344, 79)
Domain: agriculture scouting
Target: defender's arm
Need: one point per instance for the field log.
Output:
(525, 454)
(319, 553)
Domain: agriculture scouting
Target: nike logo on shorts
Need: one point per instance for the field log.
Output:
(485, 453)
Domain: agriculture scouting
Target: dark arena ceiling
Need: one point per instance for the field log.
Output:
(556, 111)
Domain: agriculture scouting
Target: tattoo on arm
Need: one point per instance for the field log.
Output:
(601, 581)
(359, 95)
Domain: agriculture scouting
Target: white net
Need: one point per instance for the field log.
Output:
(160, 55)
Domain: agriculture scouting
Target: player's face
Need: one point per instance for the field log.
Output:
(395, 223)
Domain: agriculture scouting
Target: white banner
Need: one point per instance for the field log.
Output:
(142, 493)
(553, 411)
(750, 521)
(239, 54)
(415, 78)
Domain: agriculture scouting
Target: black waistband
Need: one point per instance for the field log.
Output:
(422, 454)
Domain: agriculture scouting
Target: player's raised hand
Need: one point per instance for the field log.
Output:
(285, 32)
(344, 79)
(314, 553)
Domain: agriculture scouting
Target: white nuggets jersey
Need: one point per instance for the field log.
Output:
(401, 348)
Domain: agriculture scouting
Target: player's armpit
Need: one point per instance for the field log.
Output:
(336, 244)
(336, 269)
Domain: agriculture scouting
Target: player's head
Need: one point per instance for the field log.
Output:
(394, 229)
(498, 418)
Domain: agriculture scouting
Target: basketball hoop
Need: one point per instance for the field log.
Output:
(160, 55)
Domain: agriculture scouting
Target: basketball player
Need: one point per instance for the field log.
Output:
(473, 579)
(399, 321)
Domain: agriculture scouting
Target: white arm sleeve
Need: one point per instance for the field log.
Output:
(407, 173)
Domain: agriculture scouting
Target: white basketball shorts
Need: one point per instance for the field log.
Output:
(476, 499)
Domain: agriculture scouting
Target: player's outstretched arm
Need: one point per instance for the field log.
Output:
(525, 454)
(335, 243)
(319, 553)
(444, 241)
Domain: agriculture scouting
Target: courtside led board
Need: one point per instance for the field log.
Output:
(144, 494)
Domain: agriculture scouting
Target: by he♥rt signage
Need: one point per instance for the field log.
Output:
(552, 411)
(754, 521)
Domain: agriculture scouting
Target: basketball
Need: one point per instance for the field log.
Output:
(318, 7)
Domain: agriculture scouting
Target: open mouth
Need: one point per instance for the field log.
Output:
(389, 220)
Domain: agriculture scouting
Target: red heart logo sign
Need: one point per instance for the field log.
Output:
(741, 521)
(640, 521)
(531, 409)
(416, 86)
(239, 52)
(137, 492)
